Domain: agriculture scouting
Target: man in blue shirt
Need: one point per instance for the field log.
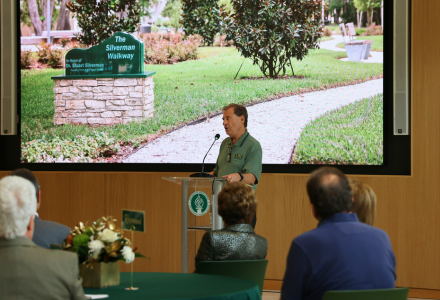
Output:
(341, 253)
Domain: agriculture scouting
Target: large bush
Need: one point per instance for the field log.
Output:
(170, 48)
(271, 33)
(201, 17)
(26, 59)
(99, 20)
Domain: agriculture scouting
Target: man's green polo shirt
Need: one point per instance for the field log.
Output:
(246, 157)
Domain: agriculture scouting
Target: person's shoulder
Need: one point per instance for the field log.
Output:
(56, 253)
(47, 223)
(375, 231)
(253, 141)
(262, 239)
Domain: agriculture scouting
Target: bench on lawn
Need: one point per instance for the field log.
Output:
(356, 49)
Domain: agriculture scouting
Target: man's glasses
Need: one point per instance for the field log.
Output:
(229, 154)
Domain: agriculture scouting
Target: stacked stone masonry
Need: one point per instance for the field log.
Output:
(103, 101)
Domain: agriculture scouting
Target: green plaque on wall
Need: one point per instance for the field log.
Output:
(133, 220)
(120, 54)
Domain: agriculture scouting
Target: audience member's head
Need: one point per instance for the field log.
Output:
(364, 201)
(27, 174)
(237, 203)
(329, 192)
(17, 207)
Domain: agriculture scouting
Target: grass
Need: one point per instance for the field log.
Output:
(350, 135)
(203, 87)
(377, 42)
(334, 28)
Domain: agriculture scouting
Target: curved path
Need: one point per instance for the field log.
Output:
(276, 124)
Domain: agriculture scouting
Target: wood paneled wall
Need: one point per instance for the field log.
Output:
(408, 206)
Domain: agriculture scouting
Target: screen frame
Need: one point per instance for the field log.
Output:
(397, 148)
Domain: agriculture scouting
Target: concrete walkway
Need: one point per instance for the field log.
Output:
(376, 56)
(276, 124)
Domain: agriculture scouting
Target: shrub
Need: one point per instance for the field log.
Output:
(55, 58)
(360, 31)
(270, 44)
(26, 59)
(47, 54)
(201, 17)
(222, 42)
(170, 48)
(99, 20)
(75, 45)
(81, 149)
(373, 30)
(64, 41)
(326, 32)
(43, 51)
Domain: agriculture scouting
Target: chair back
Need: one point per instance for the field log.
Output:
(380, 294)
(253, 270)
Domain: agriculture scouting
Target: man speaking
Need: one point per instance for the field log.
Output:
(240, 156)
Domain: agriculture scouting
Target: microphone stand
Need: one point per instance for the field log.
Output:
(203, 174)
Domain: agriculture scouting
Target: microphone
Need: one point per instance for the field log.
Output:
(202, 174)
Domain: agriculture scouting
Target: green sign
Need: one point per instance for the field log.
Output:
(198, 203)
(122, 53)
(133, 220)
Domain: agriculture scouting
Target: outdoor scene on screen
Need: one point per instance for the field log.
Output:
(142, 81)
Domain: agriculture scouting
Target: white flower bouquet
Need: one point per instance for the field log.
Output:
(101, 242)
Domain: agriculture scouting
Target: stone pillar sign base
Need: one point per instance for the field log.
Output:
(103, 101)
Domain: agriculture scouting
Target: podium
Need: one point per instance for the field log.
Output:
(215, 185)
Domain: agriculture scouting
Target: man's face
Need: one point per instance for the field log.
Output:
(233, 124)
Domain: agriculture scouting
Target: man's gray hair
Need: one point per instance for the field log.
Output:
(17, 204)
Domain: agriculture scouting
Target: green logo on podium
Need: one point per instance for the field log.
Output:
(198, 203)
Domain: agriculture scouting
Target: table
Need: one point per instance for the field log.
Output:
(181, 286)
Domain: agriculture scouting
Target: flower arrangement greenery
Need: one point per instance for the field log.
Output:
(101, 242)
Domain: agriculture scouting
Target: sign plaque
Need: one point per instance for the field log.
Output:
(133, 220)
(120, 54)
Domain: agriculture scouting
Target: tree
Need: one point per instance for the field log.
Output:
(144, 6)
(99, 19)
(226, 5)
(201, 17)
(336, 5)
(273, 32)
(172, 10)
(63, 22)
(367, 6)
(35, 11)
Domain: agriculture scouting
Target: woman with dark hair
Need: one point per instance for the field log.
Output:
(237, 205)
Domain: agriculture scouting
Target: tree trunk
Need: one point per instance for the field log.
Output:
(338, 11)
(35, 17)
(368, 17)
(67, 21)
(63, 17)
(44, 23)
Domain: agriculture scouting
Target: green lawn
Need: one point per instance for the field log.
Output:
(350, 135)
(188, 91)
(377, 42)
(334, 28)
